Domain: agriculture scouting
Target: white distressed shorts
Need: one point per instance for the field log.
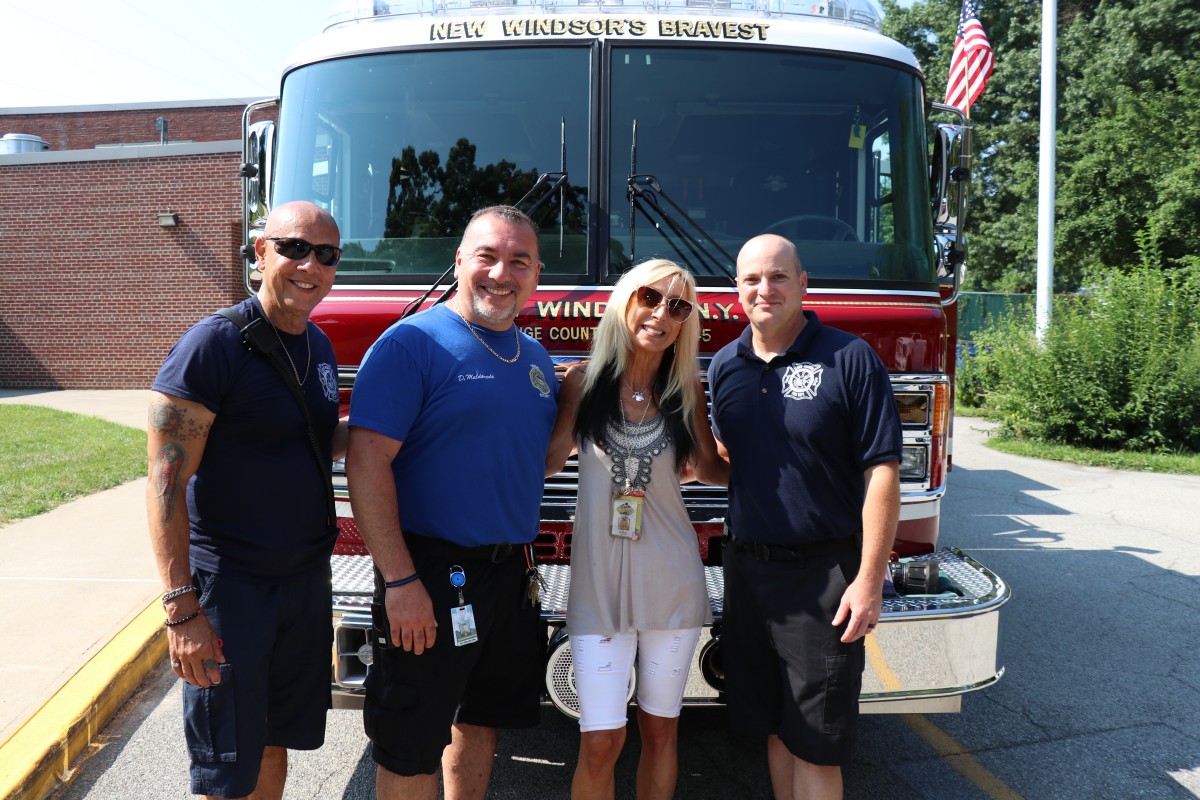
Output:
(603, 663)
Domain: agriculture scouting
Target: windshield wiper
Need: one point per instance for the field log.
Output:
(559, 182)
(644, 192)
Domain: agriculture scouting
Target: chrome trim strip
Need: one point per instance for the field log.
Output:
(958, 691)
(923, 496)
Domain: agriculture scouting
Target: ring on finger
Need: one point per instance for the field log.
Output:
(210, 663)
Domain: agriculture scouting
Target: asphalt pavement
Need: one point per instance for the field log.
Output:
(1099, 641)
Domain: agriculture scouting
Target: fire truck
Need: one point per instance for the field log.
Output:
(631, 130)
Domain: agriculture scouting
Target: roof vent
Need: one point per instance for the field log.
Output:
(22, 143)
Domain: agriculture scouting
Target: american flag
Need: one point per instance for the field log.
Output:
(972, 62)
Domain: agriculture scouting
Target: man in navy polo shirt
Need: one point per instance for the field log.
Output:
(238, 521)
(808, 420)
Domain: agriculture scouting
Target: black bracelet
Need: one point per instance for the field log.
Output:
(182, 620)
(401, 582)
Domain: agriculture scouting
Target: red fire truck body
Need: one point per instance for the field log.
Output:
(660, 129)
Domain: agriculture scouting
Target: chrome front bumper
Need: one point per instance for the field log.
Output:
(926, 653)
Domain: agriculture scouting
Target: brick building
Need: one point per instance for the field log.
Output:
(94, 290)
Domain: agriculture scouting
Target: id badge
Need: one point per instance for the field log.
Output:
(462, 620)
(627, 516)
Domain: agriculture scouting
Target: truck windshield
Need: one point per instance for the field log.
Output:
(828, 152)
(402, 147)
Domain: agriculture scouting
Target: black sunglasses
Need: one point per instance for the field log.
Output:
(298, 249)
(650, 298)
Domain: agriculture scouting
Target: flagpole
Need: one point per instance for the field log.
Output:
(1045, 248)
(967, 78)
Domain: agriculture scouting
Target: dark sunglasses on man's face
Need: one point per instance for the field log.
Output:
(650, 298)
(298, 249)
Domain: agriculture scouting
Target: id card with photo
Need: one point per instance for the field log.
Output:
(627, 516)
(462, 621)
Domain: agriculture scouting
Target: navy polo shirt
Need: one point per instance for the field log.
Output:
(800, 431)
(257, 501)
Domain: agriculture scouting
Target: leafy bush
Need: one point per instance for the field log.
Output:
(1119, 367)
(977, 372)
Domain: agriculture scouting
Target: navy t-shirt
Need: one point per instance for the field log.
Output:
(257, 502)
(800, 432)
(474, 429)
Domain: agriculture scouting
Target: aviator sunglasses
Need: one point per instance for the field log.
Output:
(650, 298)
(298, 250)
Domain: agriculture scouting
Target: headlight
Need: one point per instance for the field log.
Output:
(913, 408)
(914, 462)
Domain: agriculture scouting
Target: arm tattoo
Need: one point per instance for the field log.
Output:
(176, 423)
(167, 466)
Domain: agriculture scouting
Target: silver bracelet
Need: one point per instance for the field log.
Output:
(182, 590)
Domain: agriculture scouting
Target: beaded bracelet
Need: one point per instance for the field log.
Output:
(181, 590)
(182, 620)
(401, 582)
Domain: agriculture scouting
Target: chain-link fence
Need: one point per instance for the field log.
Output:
(977, 309)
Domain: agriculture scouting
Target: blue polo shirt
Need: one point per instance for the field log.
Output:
(801, 430)
(474, 429)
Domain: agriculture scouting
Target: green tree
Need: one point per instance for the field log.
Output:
(427, 199)
(1127, 153)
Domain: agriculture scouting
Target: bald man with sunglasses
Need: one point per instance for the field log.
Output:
(238, 520)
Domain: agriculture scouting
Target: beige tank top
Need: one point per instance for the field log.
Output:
(654, 583)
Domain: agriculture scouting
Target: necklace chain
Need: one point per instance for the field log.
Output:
(471, 328)
(307, 363)
(637, 394)
(625, 422)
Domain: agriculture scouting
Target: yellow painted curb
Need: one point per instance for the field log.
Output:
(34, 758)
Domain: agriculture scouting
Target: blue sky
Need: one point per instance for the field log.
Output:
(74, 52)
(89, 52)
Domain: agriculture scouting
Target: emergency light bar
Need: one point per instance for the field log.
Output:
(859, 13)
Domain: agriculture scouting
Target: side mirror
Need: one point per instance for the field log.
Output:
(949, 180)
(948, 175)
(258, 164)
(258, 161)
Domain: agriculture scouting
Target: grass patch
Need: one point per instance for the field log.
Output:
(976, 412)
(1180, 464)
(50, 457)
(1172, 463)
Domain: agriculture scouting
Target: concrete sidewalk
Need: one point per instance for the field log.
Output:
(78, 610)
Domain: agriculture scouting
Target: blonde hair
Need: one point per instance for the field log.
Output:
(675, 384)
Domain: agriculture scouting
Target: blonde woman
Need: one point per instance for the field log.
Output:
(636, 415)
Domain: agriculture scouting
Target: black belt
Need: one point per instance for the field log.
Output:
(799, 552)
(495, 553)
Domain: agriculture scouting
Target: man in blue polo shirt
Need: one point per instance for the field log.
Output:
(449, 424)
(808, 420)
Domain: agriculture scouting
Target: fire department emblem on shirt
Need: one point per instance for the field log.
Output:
(328, 381)
(538, 379)
(801, 381)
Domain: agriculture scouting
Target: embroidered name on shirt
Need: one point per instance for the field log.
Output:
(477, 376)
(801, 381)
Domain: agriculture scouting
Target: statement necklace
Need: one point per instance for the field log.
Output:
(307, 363)
(632, 448)
(471, 328)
